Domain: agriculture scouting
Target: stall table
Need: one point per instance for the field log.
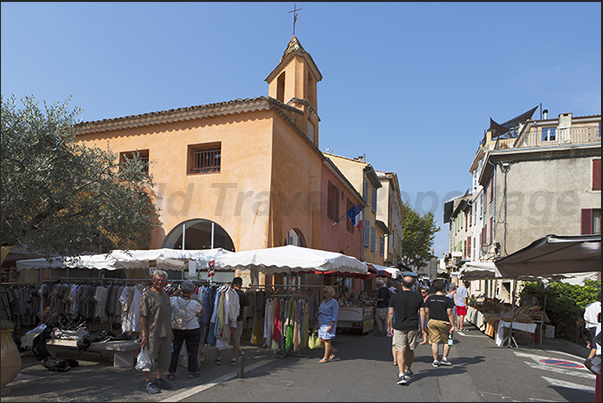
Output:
(525, 327)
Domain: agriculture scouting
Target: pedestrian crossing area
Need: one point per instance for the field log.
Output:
(567, 373)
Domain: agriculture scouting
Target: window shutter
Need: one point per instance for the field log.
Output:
(336, 191)
(468, 246)
(373, 238)
(597, 174)
(586, 224)
(374, 204)
(330, 200)
(366, 228)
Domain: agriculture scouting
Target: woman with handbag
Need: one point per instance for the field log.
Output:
(185, 326)
(327, 322)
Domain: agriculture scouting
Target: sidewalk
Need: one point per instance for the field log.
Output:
(96, 380)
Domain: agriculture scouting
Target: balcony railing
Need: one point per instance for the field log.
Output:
(543, 136)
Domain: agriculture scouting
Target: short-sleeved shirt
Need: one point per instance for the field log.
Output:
(156, 307)
(406, 306)
(243, 302)
(461, 293)
(383, 294)
(438, 307)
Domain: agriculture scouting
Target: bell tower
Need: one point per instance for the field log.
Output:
(294, 82)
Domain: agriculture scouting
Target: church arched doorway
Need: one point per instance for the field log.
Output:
(198, 234)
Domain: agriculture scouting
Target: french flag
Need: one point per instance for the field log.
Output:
(355, 215)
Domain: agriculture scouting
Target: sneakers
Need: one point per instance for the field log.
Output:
(408, 373)
(151, 388)
(445, 361)
(401, 380)
(216, 361)
(436, 363)
(161, 384)
(233, 361)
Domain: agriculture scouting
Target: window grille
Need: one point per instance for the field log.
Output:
(206, 160)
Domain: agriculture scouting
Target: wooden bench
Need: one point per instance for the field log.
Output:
(123, 351)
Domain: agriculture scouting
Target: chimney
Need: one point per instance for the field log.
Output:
(545, 113)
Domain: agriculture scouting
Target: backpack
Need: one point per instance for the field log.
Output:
(179, 319)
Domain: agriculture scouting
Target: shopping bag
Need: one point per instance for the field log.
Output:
(313, 342)
(143, 361)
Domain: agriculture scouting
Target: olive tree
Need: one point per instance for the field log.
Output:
(60, 197)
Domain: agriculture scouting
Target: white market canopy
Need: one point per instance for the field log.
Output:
(395, 273)
(166, 259)
(290, 258)
(553, 254)
(488, 271)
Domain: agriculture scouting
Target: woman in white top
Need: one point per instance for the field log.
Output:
(190, 333)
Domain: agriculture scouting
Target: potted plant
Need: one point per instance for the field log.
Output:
(10, 359)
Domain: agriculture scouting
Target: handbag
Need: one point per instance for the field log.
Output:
(179, 319)
(313, 341)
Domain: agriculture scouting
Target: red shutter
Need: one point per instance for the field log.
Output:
(336, 203)
(468, 246)
(330, 200)
(586, 222)
(597, 174)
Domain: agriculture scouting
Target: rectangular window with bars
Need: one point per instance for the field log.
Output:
(204, 158)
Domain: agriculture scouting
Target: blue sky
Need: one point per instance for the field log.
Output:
(410, 85)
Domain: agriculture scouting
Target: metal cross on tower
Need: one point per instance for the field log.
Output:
(294, 11)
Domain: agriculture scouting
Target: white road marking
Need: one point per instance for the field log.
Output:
(560, 370)
(537, 358)
(569, 385)
(189, 392)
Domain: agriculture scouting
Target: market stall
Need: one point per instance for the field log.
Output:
(493, 317)
(286, 259)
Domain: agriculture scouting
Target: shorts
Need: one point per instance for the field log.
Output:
(461, 310)
(405, 339)
(382, 313)
(160, 349)
(238, 331)
(438, 330)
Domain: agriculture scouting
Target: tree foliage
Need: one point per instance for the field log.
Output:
(60, 197)
(418, 234)
(565, 304)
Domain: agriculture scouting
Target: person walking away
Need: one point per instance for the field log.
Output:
(190, 333)
(461, 305)
(424, 331)
(394, 289)
(591, 314)
(440, 322)
(382, 304)
(593, 362)
(156, 330)
(327, 323)
(403, 319)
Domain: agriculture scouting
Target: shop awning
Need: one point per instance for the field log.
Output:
(553, 254)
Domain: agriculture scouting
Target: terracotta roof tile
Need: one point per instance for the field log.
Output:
(183, 114)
